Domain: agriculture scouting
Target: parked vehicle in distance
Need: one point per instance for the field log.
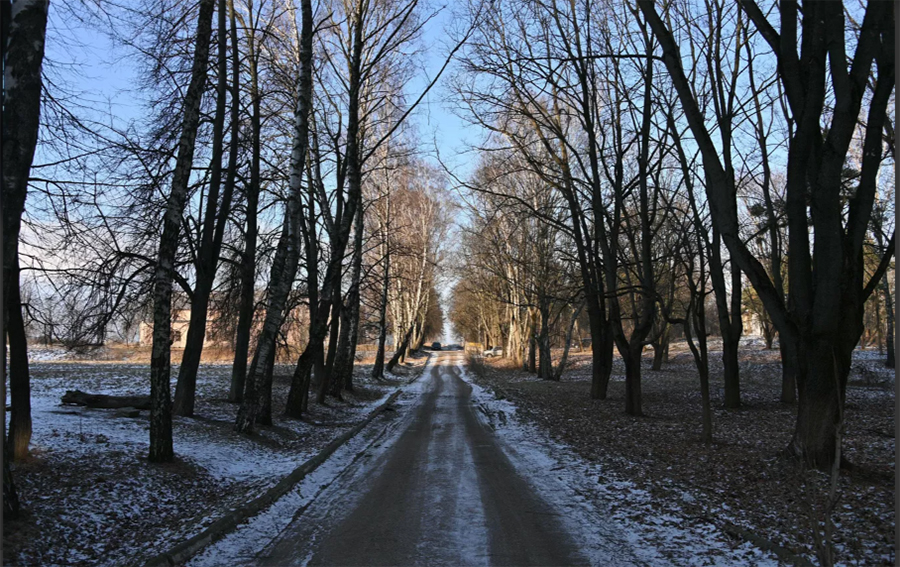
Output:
(496, 351)
(435, 346)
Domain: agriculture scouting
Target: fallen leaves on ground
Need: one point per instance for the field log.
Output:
(743, 477)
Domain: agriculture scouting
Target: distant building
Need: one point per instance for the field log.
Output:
(181, 320)
(221, 333)
(752, 324)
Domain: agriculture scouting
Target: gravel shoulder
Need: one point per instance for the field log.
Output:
(741, 482)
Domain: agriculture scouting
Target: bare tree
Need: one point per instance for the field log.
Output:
(823, 321)
(284, 269)
(160, 364)
(215, 217)
(23, 55)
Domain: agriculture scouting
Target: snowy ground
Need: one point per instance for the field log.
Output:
(91, 497)
(596, 507)
(594, 503)
(328, 483)
(89, 494)
(656, 472)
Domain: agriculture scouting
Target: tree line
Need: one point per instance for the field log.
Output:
(646, 161)
(274, 151)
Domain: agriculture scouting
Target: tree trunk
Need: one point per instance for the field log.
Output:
(23, 55)
(532, 354)
(10, 495)
(633, 401)
(526, 340)
(343, 351)
(160, 362)
(731, 370)
(343, 377)
(601, 348)
(789, 367)
(300, 381)
(378, 369)
(314, 361)
(695, 317)
(560, 368)
(333, 340)
(768, 336)
(545, 368)
(354, 341)
(282, 276)
(214, 220)
(394, 359)
(186, 385)
(19, 140)
(889, 307)
(255, 387)
(248, 258)
(633, 348)
(319, 369)
(661, 349)
(79, 398)
(821, 391)
(265, 393)
(19, 383)
(728, 327)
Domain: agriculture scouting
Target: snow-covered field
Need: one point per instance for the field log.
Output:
(89, 494)
(91, 497)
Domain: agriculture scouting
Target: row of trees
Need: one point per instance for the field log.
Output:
(646, 156)
(274, 151)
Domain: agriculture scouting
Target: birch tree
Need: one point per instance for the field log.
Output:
(161, 449)
(23, 55)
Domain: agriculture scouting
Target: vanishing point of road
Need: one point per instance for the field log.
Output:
(444, 493)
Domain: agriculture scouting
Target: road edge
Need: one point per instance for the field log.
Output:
(183, 551)
(782, 554)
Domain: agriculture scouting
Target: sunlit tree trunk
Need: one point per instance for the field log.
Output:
(561, 367)
(545, 369)
(378, 369)
(248, 257)
(350, 315)
(284, 269)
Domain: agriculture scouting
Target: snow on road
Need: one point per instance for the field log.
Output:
(605, 517)
(329, 482)
(583, 493)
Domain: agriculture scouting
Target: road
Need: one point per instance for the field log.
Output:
(442, 493)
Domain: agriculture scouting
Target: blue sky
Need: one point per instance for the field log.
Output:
(85, 63)
(89, 66)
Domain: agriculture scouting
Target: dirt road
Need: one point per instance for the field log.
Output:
(444, 493)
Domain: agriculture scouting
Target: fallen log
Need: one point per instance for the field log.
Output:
(79, 398)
